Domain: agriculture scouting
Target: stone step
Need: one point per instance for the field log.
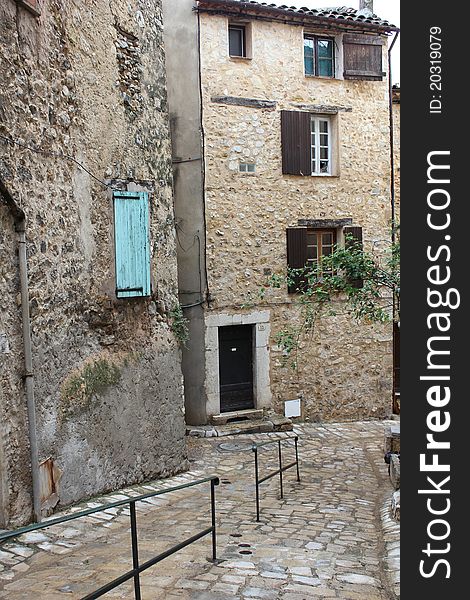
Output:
(267, 425)
(225, 417)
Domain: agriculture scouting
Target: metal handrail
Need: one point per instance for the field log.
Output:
(281, 469)
(137, 567)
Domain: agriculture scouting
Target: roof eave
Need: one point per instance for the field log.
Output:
(241, 9)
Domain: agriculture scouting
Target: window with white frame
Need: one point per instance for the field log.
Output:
(309, 143)
(320, 145)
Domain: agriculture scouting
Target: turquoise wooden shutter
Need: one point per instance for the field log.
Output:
(132, 245)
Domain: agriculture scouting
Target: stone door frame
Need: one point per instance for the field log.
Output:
(261, 379)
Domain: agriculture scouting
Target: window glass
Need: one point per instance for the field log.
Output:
(318, 56)
(320, 146)
(325, 58)
(236, 41)
(309, 56)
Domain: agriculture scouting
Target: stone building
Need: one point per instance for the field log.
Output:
(396, 146)
(88, 248)
(396, 201)
(281, 146)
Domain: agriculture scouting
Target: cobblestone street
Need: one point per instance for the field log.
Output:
(330, 537)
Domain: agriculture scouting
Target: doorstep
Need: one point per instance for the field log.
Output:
(225, 417)
(266, 425)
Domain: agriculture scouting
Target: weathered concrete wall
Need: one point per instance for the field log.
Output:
(184, 100)
(347, 367)
(87, 79)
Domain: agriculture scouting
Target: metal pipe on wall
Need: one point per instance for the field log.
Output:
(29, 375)
(20, 227)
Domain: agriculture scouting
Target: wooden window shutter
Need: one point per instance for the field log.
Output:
(132, 244)
(356, 233)
(296, 253)
(363, 57)
(296, 142)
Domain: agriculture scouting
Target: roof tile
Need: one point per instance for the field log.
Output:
(343, 13)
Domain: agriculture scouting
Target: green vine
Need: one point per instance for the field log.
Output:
(337, 275)
(179, 324)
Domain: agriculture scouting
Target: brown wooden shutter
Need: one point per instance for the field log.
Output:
(356, 233)
(296, 142)
(296, 252)
(363, 57)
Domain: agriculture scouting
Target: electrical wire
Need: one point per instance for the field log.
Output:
(57, 155)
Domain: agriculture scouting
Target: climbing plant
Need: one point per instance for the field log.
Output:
(368, 283)
(179, 324)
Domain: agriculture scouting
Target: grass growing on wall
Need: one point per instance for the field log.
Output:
(94, 379)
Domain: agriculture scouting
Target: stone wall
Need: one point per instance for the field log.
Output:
(346, 369)
(396, 151)
(86, 80)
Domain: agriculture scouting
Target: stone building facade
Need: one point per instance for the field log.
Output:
(396, 146)
(238, 121)
(84, 132)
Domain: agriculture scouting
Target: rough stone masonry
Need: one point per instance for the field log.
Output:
(346, 370)
(84, 82)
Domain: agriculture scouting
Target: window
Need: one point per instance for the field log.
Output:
(319, 56)
(307, 245)
(307, 143)
(237, 40)
(363, 57)
(320, 146)
(320, 243)
(247, 167)
(132, 244)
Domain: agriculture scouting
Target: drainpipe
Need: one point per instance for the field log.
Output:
(20, 227)
(392, 158)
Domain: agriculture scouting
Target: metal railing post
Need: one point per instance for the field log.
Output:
(255, 450)
(214, 534)
(280, 468)
(137, 567)
(296, 439)
(135, 551)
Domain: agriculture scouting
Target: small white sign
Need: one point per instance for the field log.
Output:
(292, 408)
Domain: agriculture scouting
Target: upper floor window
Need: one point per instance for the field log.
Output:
(244, 167)
(319, 56)
(239, 40)
(321, 145)
(308, 143)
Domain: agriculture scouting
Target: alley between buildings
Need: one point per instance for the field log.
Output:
(330, 537)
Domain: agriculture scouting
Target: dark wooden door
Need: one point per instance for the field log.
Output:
(236, 367)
